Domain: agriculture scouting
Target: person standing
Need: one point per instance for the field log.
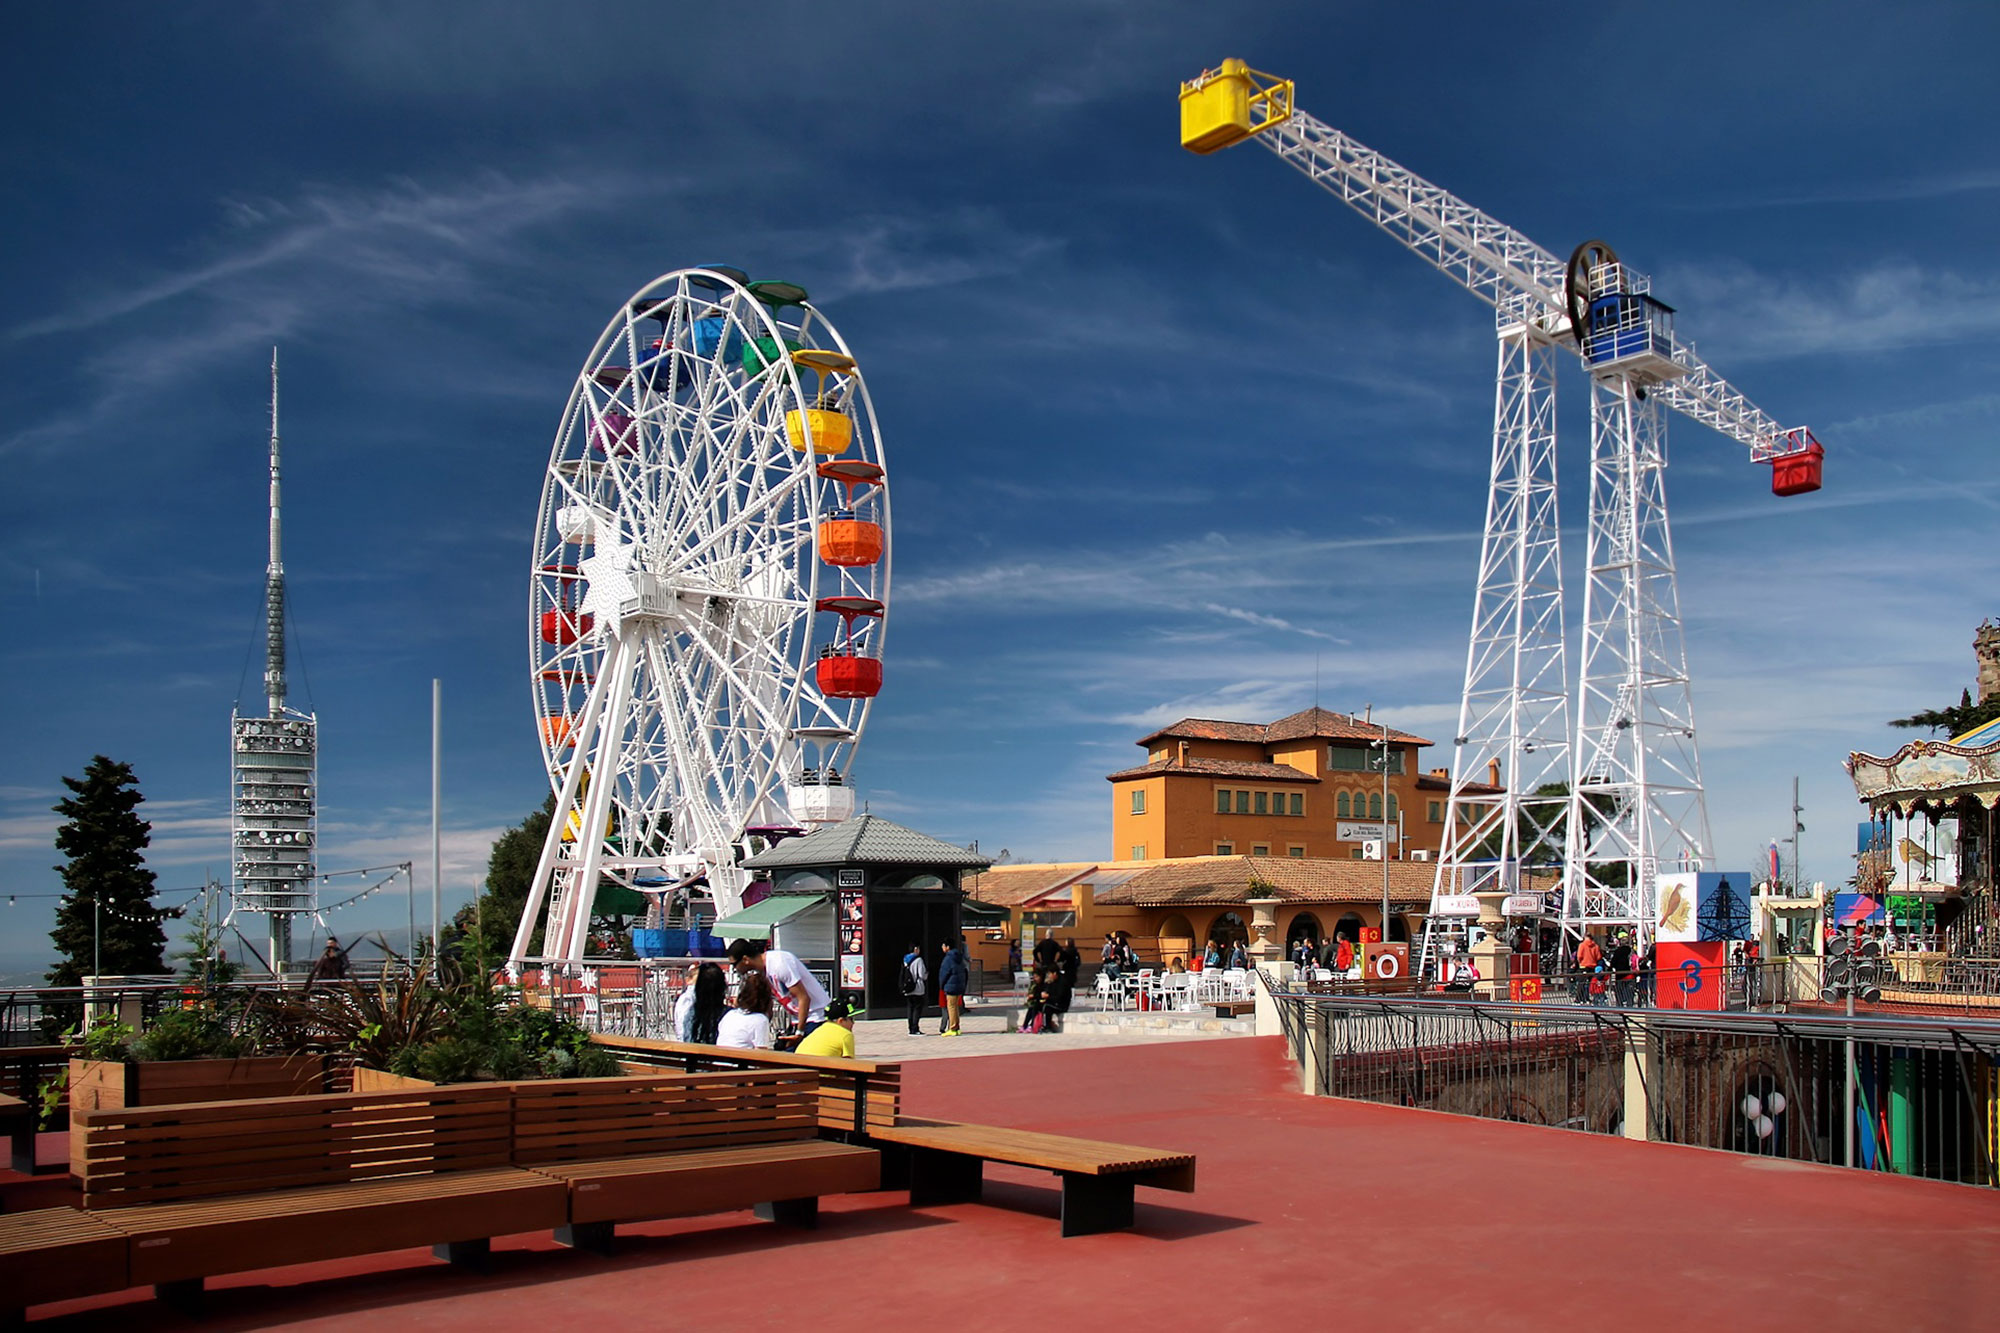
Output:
(916, 981)
(331, 965)
(1069, 967)
(1238, 960)
(1111, 957)
(954, 971)
(1588, 955)
(1620, 959)
(790, 980)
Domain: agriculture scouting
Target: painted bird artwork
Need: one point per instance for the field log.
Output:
(1915, 857)
(1674, 912)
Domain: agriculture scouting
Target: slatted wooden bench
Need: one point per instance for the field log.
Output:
(204, 1189)
(55, 1254)
(944, 1161)
(854, 1095)
(678, 1145)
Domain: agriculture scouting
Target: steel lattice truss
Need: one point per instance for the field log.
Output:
(674, 614)
(1633, 775)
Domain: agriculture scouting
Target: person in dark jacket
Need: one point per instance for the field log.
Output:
(1069, 966)
(954, 971)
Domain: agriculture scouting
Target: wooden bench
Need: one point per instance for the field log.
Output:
(854, 1095)
(945, 1162)
(678, 1145)
(1234, 1008)
(56, 1254)
(204, 1189)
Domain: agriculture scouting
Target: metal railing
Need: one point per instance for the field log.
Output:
(1913, 1096)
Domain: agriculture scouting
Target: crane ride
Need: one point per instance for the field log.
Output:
(1607, 791)
(706, 604)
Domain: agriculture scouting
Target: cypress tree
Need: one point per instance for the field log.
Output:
(105, 841)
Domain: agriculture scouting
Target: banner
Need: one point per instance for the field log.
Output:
(1703, 905)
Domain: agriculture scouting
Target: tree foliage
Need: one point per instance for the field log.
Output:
(1953, 720)
(484, 929)
(105, 842)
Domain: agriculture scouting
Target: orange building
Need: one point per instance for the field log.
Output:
(1305, 786)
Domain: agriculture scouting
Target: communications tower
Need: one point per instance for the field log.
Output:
(274, 765)
(1607, 791)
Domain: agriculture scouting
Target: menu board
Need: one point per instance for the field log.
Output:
(852, 929)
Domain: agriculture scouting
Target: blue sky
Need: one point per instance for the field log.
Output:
(1167, 434)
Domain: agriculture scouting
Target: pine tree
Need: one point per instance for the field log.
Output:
(105, 841)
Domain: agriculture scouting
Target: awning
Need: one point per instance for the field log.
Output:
(757, 920)
(978, 915)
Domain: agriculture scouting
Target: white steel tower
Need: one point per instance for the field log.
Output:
(274, 759)
(1611, 799)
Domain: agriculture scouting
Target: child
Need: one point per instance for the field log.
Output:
(1597, 985)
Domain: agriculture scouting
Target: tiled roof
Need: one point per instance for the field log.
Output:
(1226, 879)
(1206, 729)
(1310, 722)
(1012, 886)
(866, 840)
(1320, 722)
(1217, 768)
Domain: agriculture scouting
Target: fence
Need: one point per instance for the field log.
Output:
(1914, 1096)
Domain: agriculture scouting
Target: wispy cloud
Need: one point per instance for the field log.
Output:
(1892, 304)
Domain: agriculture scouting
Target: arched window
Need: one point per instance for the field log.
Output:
(1392, 807)
(1375, 806)
(1342, 809)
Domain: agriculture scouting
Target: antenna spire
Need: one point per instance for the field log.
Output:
(274, 576)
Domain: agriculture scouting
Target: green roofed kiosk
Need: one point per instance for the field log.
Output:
(888, 887)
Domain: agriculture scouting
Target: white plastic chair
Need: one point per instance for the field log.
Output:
(1109, 992)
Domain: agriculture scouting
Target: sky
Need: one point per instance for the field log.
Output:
(1168, 435)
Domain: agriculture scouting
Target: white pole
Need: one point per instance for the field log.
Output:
(437, 789)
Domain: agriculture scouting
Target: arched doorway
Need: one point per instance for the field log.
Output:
(1348, 928)
(1305, 926)
(1176, 939)
(1228, 929)
(1399, 929)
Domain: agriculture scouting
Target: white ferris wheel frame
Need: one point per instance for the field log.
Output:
(678, 547)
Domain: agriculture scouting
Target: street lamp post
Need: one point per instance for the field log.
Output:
(1383, 746)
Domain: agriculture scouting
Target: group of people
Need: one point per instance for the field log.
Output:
(1619, 972)
(1337, 955)
(1051, 984)
(767, 980)
(954, 970)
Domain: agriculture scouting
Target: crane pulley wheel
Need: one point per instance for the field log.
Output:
(1576, 282)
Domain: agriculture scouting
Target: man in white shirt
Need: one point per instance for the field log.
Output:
(796, 988)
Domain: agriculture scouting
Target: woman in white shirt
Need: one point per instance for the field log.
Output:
(748, 1025)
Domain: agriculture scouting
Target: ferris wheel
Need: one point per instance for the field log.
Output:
(708, 598)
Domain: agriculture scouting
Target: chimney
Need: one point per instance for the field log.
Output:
(1181, 752)
(1492, 772)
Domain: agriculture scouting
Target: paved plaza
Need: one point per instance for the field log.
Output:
(1309, 1213)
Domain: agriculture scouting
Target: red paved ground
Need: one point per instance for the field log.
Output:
(1310, 1214)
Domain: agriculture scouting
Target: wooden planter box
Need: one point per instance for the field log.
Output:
(377, 1080)
(105, 1084)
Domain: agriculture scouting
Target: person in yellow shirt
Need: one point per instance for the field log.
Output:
(835, 1036)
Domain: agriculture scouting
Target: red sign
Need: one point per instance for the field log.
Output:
(1371, 934)
(1691, 976)
(1524, 990)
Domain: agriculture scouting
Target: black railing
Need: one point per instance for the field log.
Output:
(1922, 1098)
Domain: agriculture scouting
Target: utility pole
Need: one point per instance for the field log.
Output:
(437, 789)
(1798, 883)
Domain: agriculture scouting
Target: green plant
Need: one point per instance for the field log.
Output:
(107, 1038)
(189, 1034)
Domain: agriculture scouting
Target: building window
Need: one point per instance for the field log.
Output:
(1296, 853)
(1298, 803)
(1139, 801)
(1392, 807)
(1222, 801)
(1262, 803)
(1242, 802)
(1437, 812)
(1341, 807)
(1375, 805)
(1138, 851)
(1225, 849)
(1261, 849)
(1360, 759)
(1355, 854)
